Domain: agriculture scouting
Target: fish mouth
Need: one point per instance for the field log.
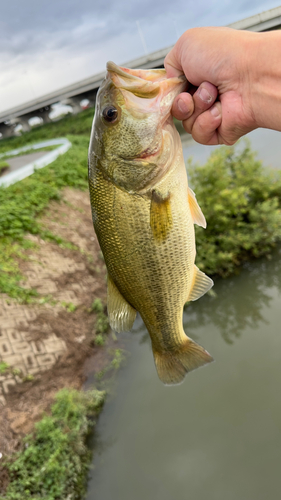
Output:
(143, 83)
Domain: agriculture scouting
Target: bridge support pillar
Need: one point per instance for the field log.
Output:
(6, 130)
(23, 121)
(45, 115)
(74, 102)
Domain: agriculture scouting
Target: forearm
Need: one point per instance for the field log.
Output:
(265, 68)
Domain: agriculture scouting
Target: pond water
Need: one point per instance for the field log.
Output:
(218, 434)
(267, 144)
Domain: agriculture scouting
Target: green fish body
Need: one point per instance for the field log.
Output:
(144, 214)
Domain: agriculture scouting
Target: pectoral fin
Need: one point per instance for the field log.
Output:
(120, 313)
(161, 220)
(200, 285)
(196, 212)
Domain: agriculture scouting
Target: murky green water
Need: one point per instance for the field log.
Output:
(217, 435)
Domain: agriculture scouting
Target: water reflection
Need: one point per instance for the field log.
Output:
(237, 302)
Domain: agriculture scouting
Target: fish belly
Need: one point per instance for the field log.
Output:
(154, 277)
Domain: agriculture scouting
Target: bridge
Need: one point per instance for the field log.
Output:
(87, 88)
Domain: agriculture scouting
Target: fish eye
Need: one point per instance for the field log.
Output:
(110, 114)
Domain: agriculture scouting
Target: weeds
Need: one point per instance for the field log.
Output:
(54, 461)
(119, 357)
(102, 323)
(4, 367)
(69, 306)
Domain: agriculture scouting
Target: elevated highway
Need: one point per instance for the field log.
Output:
(87, 88)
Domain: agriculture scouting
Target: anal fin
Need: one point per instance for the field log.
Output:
(121, 314)
(196, 212)
(200, 285)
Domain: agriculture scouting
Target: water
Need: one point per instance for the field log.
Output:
(267, 144)
(217, 435)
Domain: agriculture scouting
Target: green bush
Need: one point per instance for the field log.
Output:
(241, 202)
(55, 459)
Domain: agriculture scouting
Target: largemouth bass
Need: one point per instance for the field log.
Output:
(144, 214)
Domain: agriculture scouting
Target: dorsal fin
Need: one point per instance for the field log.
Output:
(196, 212)
(200, 285)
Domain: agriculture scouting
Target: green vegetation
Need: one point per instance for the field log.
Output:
(54, 461)
(102, 323)
(3, 166)
(242, 204)
(4, 367)
(29, 151)
(119, 357)
(23, 202)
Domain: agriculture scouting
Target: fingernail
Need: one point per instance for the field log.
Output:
(215, 111)
(183, 106)
(204, 95)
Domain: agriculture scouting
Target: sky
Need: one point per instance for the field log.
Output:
(47, 44)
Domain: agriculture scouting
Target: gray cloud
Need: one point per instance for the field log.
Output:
(53, 43)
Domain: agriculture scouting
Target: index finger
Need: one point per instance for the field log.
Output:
(172, 63)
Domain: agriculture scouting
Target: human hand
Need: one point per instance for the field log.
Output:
(218, 62)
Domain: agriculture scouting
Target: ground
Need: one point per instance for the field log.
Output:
(47, 344)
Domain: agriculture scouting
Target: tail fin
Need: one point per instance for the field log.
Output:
(172, 366)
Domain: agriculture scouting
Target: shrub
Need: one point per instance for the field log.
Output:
(241, 202)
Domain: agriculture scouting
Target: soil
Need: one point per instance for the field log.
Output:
(50, 342)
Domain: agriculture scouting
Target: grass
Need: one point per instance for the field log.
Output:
(28, 152)
(102, 323)
(55, 459)
(3, 166)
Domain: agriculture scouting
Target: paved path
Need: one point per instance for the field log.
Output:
(20, 161)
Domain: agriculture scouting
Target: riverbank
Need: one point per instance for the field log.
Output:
(44, 345)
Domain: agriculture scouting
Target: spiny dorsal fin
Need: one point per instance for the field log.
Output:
(201, 284)
(161, 220)
(196, 212)
(121, 314)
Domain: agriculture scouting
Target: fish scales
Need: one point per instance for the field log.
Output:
(143, 216)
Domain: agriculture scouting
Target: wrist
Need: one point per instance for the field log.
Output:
(264, 79)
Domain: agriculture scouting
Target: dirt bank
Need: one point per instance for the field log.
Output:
(46, 344)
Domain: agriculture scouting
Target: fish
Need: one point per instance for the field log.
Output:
(144, 214)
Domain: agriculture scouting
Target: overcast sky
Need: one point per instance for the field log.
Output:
(47, 44)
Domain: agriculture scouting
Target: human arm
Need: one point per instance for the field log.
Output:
(244, 67)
